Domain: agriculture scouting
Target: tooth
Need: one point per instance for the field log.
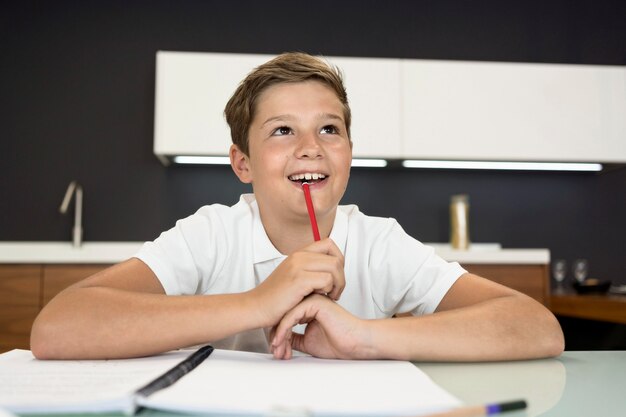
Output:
(322, 176)
(307, 176)
(314, 176)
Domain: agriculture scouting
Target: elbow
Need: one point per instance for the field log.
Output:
(42, 340)
(553, 340)
(38, 341)
(541, 335)
(557, 343)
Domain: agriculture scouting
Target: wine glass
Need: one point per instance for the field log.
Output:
(580, 269)
(559, 272)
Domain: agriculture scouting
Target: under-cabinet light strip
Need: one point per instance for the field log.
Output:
(430, 164)
(374, 163)
(498, 165)
(207, 160)
(224, 160)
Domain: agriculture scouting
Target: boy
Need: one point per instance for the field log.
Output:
(227, 275)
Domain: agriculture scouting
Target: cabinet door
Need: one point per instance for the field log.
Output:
(19, 304)
(531, 280)
(512, 111)
(58, 277)
(192, 90)
(373, 86)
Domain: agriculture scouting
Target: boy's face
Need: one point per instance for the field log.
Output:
(298, 129)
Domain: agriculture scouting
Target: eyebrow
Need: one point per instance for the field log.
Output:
(278, 119)
(289, 117)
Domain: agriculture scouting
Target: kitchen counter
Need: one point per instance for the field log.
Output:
(113, 252)
(492, 253)
(32, 273)
(65, 253)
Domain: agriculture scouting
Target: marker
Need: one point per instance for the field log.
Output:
(311, 210)
(483, 410)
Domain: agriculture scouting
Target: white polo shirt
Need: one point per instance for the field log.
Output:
(224, 250)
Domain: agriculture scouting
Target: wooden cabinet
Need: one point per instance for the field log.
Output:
(24, 290)
(532, 280)
(611, 308)
(20, 301)
(58, 277)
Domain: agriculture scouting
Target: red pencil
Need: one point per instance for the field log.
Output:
(311, 210)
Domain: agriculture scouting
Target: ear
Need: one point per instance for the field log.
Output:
(240, 163)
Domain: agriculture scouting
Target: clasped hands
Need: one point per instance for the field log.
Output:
(303, 289)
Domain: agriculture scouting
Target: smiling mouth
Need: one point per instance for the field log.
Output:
(310, 177)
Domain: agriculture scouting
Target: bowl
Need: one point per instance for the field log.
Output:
(592, 286)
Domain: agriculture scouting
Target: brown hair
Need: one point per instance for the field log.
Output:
(290, 67)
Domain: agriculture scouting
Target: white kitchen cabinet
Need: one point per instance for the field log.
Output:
(192, 90)
(373, 86)
(513, 111)
(418, 109)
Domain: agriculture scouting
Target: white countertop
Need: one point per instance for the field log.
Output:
(492, 253)
(113, 252)
(64, 252)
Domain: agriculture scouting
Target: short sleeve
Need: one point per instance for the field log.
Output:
(182, 256)
(409, 276)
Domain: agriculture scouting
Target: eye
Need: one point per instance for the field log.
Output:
(282, 131)
(330, 130)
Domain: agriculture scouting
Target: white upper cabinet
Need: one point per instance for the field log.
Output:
(373, 86)
(192, 90)
(507, 111)
(421, 109)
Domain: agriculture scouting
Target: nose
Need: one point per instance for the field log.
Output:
(308, 147)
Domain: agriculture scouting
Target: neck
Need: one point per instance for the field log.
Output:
(289, 236)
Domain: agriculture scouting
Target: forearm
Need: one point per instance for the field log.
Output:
(504, 328)
(101, 322)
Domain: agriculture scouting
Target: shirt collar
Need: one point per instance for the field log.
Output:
(263, 248)
(339, 234)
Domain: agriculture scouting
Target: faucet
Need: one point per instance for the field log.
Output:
(77, 230)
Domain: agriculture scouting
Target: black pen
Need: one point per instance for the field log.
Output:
(176, 372)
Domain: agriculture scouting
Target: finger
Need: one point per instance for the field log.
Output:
(334, 282)
(337, 265)
(282, 333)
(338, 287)
(332, 262)
(317, 282)
(297, 343)
(279, 349)
(326, 246)
(288, 351)
(297, 315)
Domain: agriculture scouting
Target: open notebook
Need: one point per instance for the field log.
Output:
(219, 382)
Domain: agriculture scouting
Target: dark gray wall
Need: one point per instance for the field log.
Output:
(77, 98)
